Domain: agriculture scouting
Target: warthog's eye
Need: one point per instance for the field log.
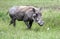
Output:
(36, 15)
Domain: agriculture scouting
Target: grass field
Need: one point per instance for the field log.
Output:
(51, 18)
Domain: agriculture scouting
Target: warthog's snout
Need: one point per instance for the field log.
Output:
(41, 23)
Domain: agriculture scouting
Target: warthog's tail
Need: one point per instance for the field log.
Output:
(7, 12)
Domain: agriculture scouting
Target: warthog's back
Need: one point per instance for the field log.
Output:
(25, 8)
(16, 9)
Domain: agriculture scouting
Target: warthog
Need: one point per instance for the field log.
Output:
(28, 14)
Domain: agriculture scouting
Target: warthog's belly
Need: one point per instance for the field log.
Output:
(20, 18)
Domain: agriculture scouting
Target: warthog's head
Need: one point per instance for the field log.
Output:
(37, 16)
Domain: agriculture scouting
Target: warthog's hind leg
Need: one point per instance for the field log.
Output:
(13, 22)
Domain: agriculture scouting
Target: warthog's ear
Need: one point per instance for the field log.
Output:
(40, 9)
(33, 9)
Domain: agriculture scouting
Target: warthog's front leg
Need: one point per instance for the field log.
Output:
(27, 24)
(30, 23)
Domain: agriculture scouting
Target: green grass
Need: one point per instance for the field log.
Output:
(50, 16)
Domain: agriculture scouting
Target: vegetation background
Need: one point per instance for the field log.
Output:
(50, 13)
